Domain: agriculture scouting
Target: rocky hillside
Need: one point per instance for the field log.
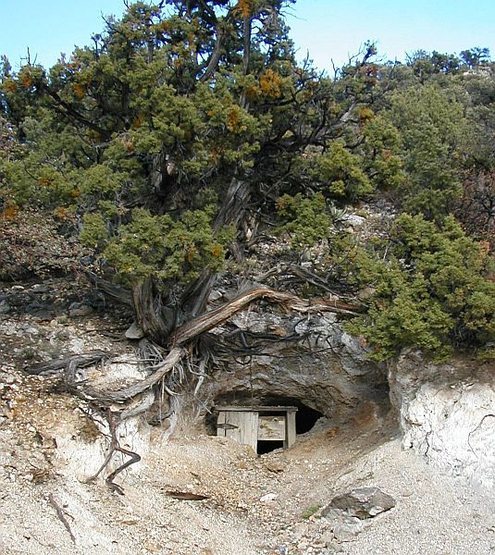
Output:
(190, 218)
(209, 495)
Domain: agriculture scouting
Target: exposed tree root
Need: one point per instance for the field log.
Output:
(169, 368)
(61, 516)
(61, 365)
(214, 318)
(133, 390)
(181, 337)
(116, 292)
(115, 447)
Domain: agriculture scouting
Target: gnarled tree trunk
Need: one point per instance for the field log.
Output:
(158, 319)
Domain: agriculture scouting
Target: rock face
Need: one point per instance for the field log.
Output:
(447, 413)
(326, 369)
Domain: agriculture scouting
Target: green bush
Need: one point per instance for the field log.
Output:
(161, 247)
(307, 220)
(430, 291)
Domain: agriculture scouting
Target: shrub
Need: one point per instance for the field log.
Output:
(431, 290)
(32, 246)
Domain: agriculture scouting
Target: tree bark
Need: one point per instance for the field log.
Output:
(195, 297)
(156, 320)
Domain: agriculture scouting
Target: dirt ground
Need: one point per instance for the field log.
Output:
(253, 505)
(434, 514)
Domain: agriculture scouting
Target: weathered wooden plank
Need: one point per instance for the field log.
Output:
(291, 429)
(220, 424)
(249, 430)
(259, 408)
(272, 428)
(233, 423)
(239, 426)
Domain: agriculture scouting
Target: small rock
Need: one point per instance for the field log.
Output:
(4, 307)
(353, 220)
(334, 547)
(40, 288)
(134, 331)
(268, 498)
(215, 295)
(275, 466)
(86, 260)
(7, 378)
(347, 530)
(79, 310)
(43, 316)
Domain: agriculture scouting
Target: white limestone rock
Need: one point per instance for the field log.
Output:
(447, 413)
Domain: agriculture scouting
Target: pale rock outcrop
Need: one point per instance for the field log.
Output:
(447, 413)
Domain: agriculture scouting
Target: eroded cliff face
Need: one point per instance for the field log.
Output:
(447, 413)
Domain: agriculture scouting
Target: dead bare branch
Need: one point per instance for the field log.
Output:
(79, 360)
(214, 318)
(115, 447)
(133, 390)
(61, 516)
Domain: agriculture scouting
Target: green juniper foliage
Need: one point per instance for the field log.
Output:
(430, 290)
(185, 123)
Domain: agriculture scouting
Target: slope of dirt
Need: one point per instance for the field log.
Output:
(267, 505)
(434, 514)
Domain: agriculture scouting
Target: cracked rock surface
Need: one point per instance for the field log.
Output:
(447, 413)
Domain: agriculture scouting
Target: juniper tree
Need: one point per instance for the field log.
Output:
(180, 123)
(186, 124)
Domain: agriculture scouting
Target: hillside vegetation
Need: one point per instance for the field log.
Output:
(186, 134)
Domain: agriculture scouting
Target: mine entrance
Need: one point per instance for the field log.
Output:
(306, 417)
(272, 425)
(251, 424)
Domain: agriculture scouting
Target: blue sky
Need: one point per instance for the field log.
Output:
(327, 29)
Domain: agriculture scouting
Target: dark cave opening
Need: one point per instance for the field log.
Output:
(268, 446)
(306, 418)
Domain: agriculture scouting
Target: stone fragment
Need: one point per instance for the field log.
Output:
(134, 331)
(275, 465)
(362, 503)
(354, 221)
(78, 310)
(7, 378)
(348, 529)
(268, 498)
(215, 295)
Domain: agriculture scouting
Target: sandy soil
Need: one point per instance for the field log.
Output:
(434, 514)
